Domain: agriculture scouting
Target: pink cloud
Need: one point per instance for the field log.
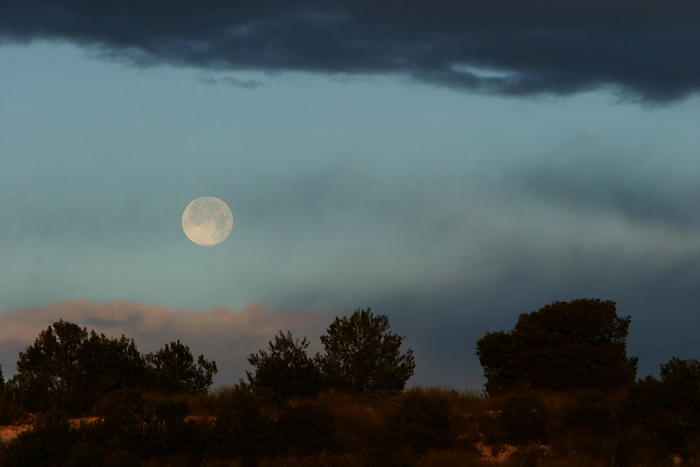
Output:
(222, 334)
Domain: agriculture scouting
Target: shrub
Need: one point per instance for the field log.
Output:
(422, 420)
(524, 420)
(47, 443)
(305, 429)
(242, 429)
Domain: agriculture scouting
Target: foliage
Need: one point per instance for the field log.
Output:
(668, 409)
(422, 420)
(48, 443)
(563, 346)
(69, 368)
(362, 355)
(522, 420)
(242, 428)
(285, 371)
(420, 427)
(305, 429)
(173, 370)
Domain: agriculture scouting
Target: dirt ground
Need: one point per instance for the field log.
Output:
(10, 431)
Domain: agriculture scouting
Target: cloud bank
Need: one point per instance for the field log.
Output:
(645, 50)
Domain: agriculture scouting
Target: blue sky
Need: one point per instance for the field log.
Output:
(449, 202)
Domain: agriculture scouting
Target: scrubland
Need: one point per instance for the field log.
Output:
(421, 427)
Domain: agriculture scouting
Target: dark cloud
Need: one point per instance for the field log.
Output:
(646, 50)
(649, 195)
(230, 80)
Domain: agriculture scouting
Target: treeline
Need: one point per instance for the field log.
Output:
(70, 369)
(561, 392)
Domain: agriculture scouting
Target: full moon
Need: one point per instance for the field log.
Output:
(207, 221)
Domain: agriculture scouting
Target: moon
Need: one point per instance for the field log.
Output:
(207, 221)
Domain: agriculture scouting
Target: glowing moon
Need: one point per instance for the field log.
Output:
(207, 221)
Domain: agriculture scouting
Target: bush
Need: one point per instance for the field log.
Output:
(171, 411)
(593, 430)
(10, 413)
(524, 420)
(242, 429)
(422, 420)
(305, 429)
(47, 443)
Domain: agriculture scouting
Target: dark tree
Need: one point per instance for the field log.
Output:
(668, 410)
(2, 382)
(173, 370)
(285, 370)
(110, 364)
(69, 368)
(362, 355)
(563, 346)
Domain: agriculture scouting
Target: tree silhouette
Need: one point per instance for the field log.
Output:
(173, 370)
(284, 370)
(362, 355)
(563, 346)
(69, 368)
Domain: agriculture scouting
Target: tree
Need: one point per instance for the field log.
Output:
(362, 355)
(286, 370)
(69, 368)
(668, 409)
(563, 346)
(173, 370)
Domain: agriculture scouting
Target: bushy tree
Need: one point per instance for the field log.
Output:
(563, 346)
(69, 368)
(173, 370)
(667, 409)
(284, 370)
(362, 355)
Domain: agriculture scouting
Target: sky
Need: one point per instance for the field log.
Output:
(449, 164)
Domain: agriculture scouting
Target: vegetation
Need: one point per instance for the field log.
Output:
(285, 370)
(172, 370)
(363, 356)
(67, 368)
(275, 419)
(70, 369)
(564, 346)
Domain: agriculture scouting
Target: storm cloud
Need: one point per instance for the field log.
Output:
(643, 50)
